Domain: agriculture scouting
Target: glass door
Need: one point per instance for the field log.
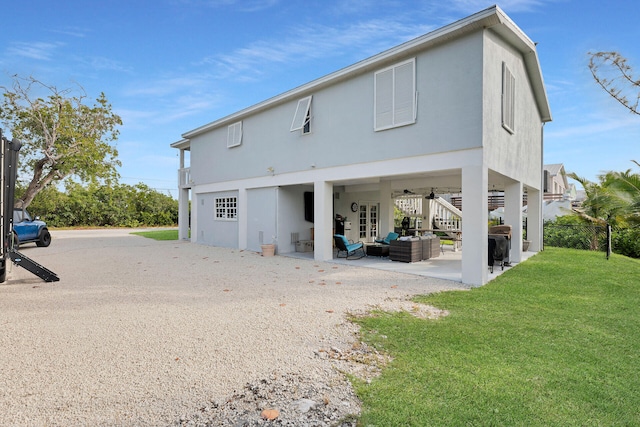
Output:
(368, 222)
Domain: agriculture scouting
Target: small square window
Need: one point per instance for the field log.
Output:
(226, 208)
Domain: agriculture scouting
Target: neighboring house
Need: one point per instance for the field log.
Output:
(555, 183)
(461, 108)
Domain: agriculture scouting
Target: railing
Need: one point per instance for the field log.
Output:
(441, 214)
(445, 215)
(411, 205)
(184, 178)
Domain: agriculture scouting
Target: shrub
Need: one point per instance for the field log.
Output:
(626, 242)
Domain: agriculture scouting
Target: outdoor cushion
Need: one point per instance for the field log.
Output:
(391, 236)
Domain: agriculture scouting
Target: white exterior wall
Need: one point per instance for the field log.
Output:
(449, 85)
(208, 229)
(518, 155)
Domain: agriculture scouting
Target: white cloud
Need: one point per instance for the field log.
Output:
(42, 51)
(71, 31)
(316, 41)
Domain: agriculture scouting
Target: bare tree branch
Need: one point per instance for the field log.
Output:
(611, 71)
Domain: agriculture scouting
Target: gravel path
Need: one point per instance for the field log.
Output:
(140, 332)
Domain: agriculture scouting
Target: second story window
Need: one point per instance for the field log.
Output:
(234, 135)
(508, 99)
(302, 117)
(395, 95)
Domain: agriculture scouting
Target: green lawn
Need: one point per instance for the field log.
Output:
(159, 234)
(554, 341)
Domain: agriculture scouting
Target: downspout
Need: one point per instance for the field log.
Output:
(542, 186)
(277, 215)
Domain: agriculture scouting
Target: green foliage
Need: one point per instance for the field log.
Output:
(573, 232)
(626, 242)
(104, 206)
(61, 135)
(543, 344)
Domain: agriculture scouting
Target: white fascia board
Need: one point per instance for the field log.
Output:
(183, 144)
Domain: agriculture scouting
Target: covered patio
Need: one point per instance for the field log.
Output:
(447, 266)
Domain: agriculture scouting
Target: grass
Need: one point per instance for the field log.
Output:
(158, 234)
(554, 341)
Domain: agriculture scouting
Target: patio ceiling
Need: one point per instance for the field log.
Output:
(442, 182)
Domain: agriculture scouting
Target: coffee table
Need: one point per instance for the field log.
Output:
(377, 250)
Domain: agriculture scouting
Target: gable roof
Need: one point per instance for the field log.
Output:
(557, 169)
(492, 17)
(554, 169)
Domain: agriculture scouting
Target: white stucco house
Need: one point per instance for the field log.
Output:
(460, 109)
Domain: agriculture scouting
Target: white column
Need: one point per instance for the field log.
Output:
(194, 215)
(513, 217)
(427, 216)
(475, 216)
(534, 220)
(386, 209)
(183, 214)
(323, 220)
(243, 218)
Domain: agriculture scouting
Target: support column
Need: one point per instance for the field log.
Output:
(475, 216)
(243, 218)
(513, 217)
(386, 209)
(534, 220)
(183, 214)
(323, 220)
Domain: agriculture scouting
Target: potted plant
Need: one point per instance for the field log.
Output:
(269, 249)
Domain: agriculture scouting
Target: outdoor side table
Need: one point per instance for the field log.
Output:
(378, 250)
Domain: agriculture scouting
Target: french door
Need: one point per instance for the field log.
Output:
(368, 221)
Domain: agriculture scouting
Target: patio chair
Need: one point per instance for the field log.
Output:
(387, 240)
(349, 248)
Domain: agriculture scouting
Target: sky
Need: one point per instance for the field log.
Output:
(170, 66)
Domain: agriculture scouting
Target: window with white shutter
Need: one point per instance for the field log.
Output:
(234, 135)
(302, 117)
(508, 99)
(395, 95)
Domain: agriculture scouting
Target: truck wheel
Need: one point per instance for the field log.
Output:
(45, 239)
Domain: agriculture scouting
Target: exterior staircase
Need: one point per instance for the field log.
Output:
(438, 214)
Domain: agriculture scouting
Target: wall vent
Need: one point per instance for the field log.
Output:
(261, 237)
(295, 237)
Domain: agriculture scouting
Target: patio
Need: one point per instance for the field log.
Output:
(447, 266)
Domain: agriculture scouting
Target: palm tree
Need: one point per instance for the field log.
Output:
(626, 186)
(601, 205)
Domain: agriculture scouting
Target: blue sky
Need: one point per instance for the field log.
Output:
(169, 66)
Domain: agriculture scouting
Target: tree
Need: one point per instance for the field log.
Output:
(601, 206)
(61, 136)
(611, 71)
(626, 186)
(614, 200)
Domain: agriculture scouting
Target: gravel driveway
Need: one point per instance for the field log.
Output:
(141, 332)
